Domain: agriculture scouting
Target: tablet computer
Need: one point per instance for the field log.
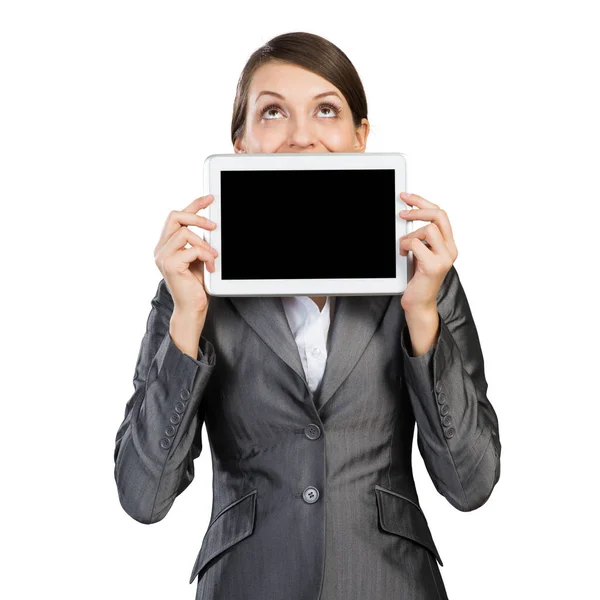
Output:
(306, 224)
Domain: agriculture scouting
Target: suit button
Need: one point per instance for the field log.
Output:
(312, 431)
(170, 431)
(444, 408)
(449, 432)
(179, 407)
(185, 394)
(175, 419)
(447, 420)
(310, 494)
(441, 397)
(165, 443)
(438, 386)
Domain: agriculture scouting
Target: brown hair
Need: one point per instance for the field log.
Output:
(311, 52)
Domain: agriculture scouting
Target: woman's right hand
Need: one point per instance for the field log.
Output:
(182, 267)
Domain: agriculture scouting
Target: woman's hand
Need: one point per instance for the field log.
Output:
(432, 262)
(183, 267)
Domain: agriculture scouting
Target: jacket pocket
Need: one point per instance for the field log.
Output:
(402, 516)
(234, 523)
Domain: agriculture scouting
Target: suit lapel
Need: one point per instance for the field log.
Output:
(266, 315)
(355, 320)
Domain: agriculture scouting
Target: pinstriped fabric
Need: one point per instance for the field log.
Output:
(232, 524)
(360, 531)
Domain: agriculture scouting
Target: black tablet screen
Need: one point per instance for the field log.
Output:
(308, 224)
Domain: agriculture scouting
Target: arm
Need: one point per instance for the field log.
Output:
(160, 435)
(458, 434)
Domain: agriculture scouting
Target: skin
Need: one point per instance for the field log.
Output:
(300, 123)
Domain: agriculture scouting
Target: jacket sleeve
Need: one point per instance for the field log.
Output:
(458, 434)
(161, 433)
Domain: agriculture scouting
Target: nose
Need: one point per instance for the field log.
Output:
(302, 133)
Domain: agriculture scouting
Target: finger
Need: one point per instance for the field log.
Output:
(434, 215)
(199, 203)
(420, 250)
(176, 220)
(188, 218)
(183, 236)
(187, 256)
(195, 240)
(197, 268)
(431, 236)
(177, 217)
(195, 253)
(416, 200)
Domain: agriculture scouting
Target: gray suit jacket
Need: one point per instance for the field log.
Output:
(313, 495)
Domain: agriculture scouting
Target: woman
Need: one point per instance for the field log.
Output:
(313, 493)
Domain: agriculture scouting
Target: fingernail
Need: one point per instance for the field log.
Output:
(406, 194)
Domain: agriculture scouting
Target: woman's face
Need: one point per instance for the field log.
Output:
(300, 119)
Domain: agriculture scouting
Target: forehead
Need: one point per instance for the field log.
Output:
(291, 81)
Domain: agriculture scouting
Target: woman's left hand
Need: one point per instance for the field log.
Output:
(432, 262)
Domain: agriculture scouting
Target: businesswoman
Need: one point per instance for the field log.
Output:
(310, 405)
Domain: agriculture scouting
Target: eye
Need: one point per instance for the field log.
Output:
(332, 108)
(334, 111)
(268, 109)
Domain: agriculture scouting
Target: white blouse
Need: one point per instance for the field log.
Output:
(310, 328)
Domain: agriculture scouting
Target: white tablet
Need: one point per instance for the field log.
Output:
(306, 224)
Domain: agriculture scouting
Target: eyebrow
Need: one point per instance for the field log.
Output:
(331, 93)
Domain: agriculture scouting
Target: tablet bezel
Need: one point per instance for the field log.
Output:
(215, 163)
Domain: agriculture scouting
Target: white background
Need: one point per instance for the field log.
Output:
(108, 110)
